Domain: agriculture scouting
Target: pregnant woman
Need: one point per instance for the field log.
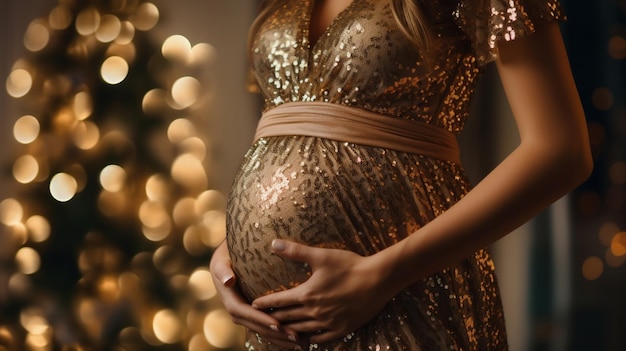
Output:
(351, 224)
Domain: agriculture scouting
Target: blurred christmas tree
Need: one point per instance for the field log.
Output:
(105, 243)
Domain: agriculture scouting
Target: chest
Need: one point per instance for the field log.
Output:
(323, 14)
(315, 31)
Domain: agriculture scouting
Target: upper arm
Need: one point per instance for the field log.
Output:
(540, 89)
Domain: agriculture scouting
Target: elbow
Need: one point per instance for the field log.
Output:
(570, 157)
(578, 165)
(566, 163)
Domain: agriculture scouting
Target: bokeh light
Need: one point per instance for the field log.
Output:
(40, 342)
(201, 284)
(157, 188)
(185, 92)
(618, 244)
(183, 213)
(127, 33)
(167, 326)
(19, 83)
(176, 48)
(210, 200)
(25, 169)
(218, 329)
(114, 70)
(158, 233)
(152, 214)
(88, 21)
(146, 16)
(60, 17)
(33, 320)
(63, 187)
(593, 267)
(37, 36)
(11, 212)
(26, 129)
(108, 288)
(109, 29)
(27, 260)
(189, 172)
(180, 129)
(38, 228)
(192, 239)
(112, 178)
(6, 337)
(198, 343)
(202, 54)
(86, 135)
(157, 224)
(215, 222)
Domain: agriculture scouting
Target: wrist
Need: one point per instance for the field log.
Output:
(385, 272)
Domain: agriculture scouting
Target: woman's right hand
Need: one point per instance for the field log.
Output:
(242, 313)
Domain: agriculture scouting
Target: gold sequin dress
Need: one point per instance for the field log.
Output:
(332, 193)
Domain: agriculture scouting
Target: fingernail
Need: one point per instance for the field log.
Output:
(278, 245)
(292, 338)
(274, 327)
(228, 281)
(256, 307)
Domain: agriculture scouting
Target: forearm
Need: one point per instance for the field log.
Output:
(521, 186)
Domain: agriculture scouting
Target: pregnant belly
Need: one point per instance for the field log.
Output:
(325, 194)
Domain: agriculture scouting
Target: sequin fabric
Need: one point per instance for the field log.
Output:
(330, 193)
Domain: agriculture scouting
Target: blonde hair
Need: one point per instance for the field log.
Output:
(413, 20)
(410, 15)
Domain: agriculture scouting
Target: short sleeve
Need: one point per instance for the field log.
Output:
(488, 22)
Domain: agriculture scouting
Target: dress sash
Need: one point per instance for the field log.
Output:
(358, 126)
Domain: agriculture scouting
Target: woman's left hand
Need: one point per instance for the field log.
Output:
(344, 292)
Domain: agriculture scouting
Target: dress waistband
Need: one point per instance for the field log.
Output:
(355, 125)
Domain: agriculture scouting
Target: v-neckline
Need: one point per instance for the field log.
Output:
(312, 45)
